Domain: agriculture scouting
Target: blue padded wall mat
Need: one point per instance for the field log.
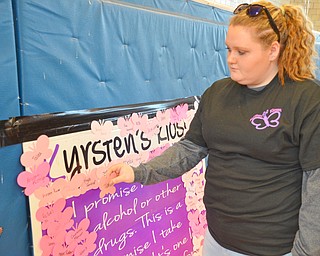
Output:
(14, 240)
(188, 7)
(88, 54)
(9, 101)
(13, 211)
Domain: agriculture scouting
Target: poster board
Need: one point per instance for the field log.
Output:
(73, 210)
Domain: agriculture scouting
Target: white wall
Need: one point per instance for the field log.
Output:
(231, 4)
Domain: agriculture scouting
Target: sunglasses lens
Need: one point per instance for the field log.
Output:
(254, 10)
(240, 8)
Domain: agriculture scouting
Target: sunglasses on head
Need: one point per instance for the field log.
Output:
(254, 10)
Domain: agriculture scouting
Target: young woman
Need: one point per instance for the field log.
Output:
(261, 131)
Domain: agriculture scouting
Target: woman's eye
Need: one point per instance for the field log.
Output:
(241, 52)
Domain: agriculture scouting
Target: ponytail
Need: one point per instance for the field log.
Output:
(297, 55)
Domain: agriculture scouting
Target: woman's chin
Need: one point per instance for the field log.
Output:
(237, 79)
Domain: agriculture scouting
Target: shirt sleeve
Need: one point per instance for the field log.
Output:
(194, 133)
(181, 157)
(309, 153)
(307, 240)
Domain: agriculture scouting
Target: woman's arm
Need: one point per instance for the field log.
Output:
(172, 163)
(307, 240)
(181, 157)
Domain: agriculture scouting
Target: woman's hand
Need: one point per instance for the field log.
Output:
(121, 173)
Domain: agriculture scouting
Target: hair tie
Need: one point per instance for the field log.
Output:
(282, 10)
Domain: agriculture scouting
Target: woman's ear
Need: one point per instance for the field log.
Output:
(274, 51)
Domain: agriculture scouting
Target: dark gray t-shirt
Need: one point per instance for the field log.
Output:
(259, 142)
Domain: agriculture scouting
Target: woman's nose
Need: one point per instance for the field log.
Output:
(231, 58)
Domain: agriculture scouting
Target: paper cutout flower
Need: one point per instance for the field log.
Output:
(59, 226)
(126, 126)
(90, 181)
(87, 246)
(203, 219)
(64, 249)
(39, 152)
(178, 113)
(47, 244)
(197, 227)
(50, 193)
(151, 129)
(51, 213)
(35, 179)
(163, 117)
(139, 121)
(79, 233)
(187, 177)
(74, 186)
(182, 111)
(101, 129)
(191, 202)
(197, 245)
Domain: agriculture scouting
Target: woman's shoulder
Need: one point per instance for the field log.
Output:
(223, 81)
(307, 84)
(307, 91)
(220, 84)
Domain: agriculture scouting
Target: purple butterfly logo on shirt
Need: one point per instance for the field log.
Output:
(269, 118)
